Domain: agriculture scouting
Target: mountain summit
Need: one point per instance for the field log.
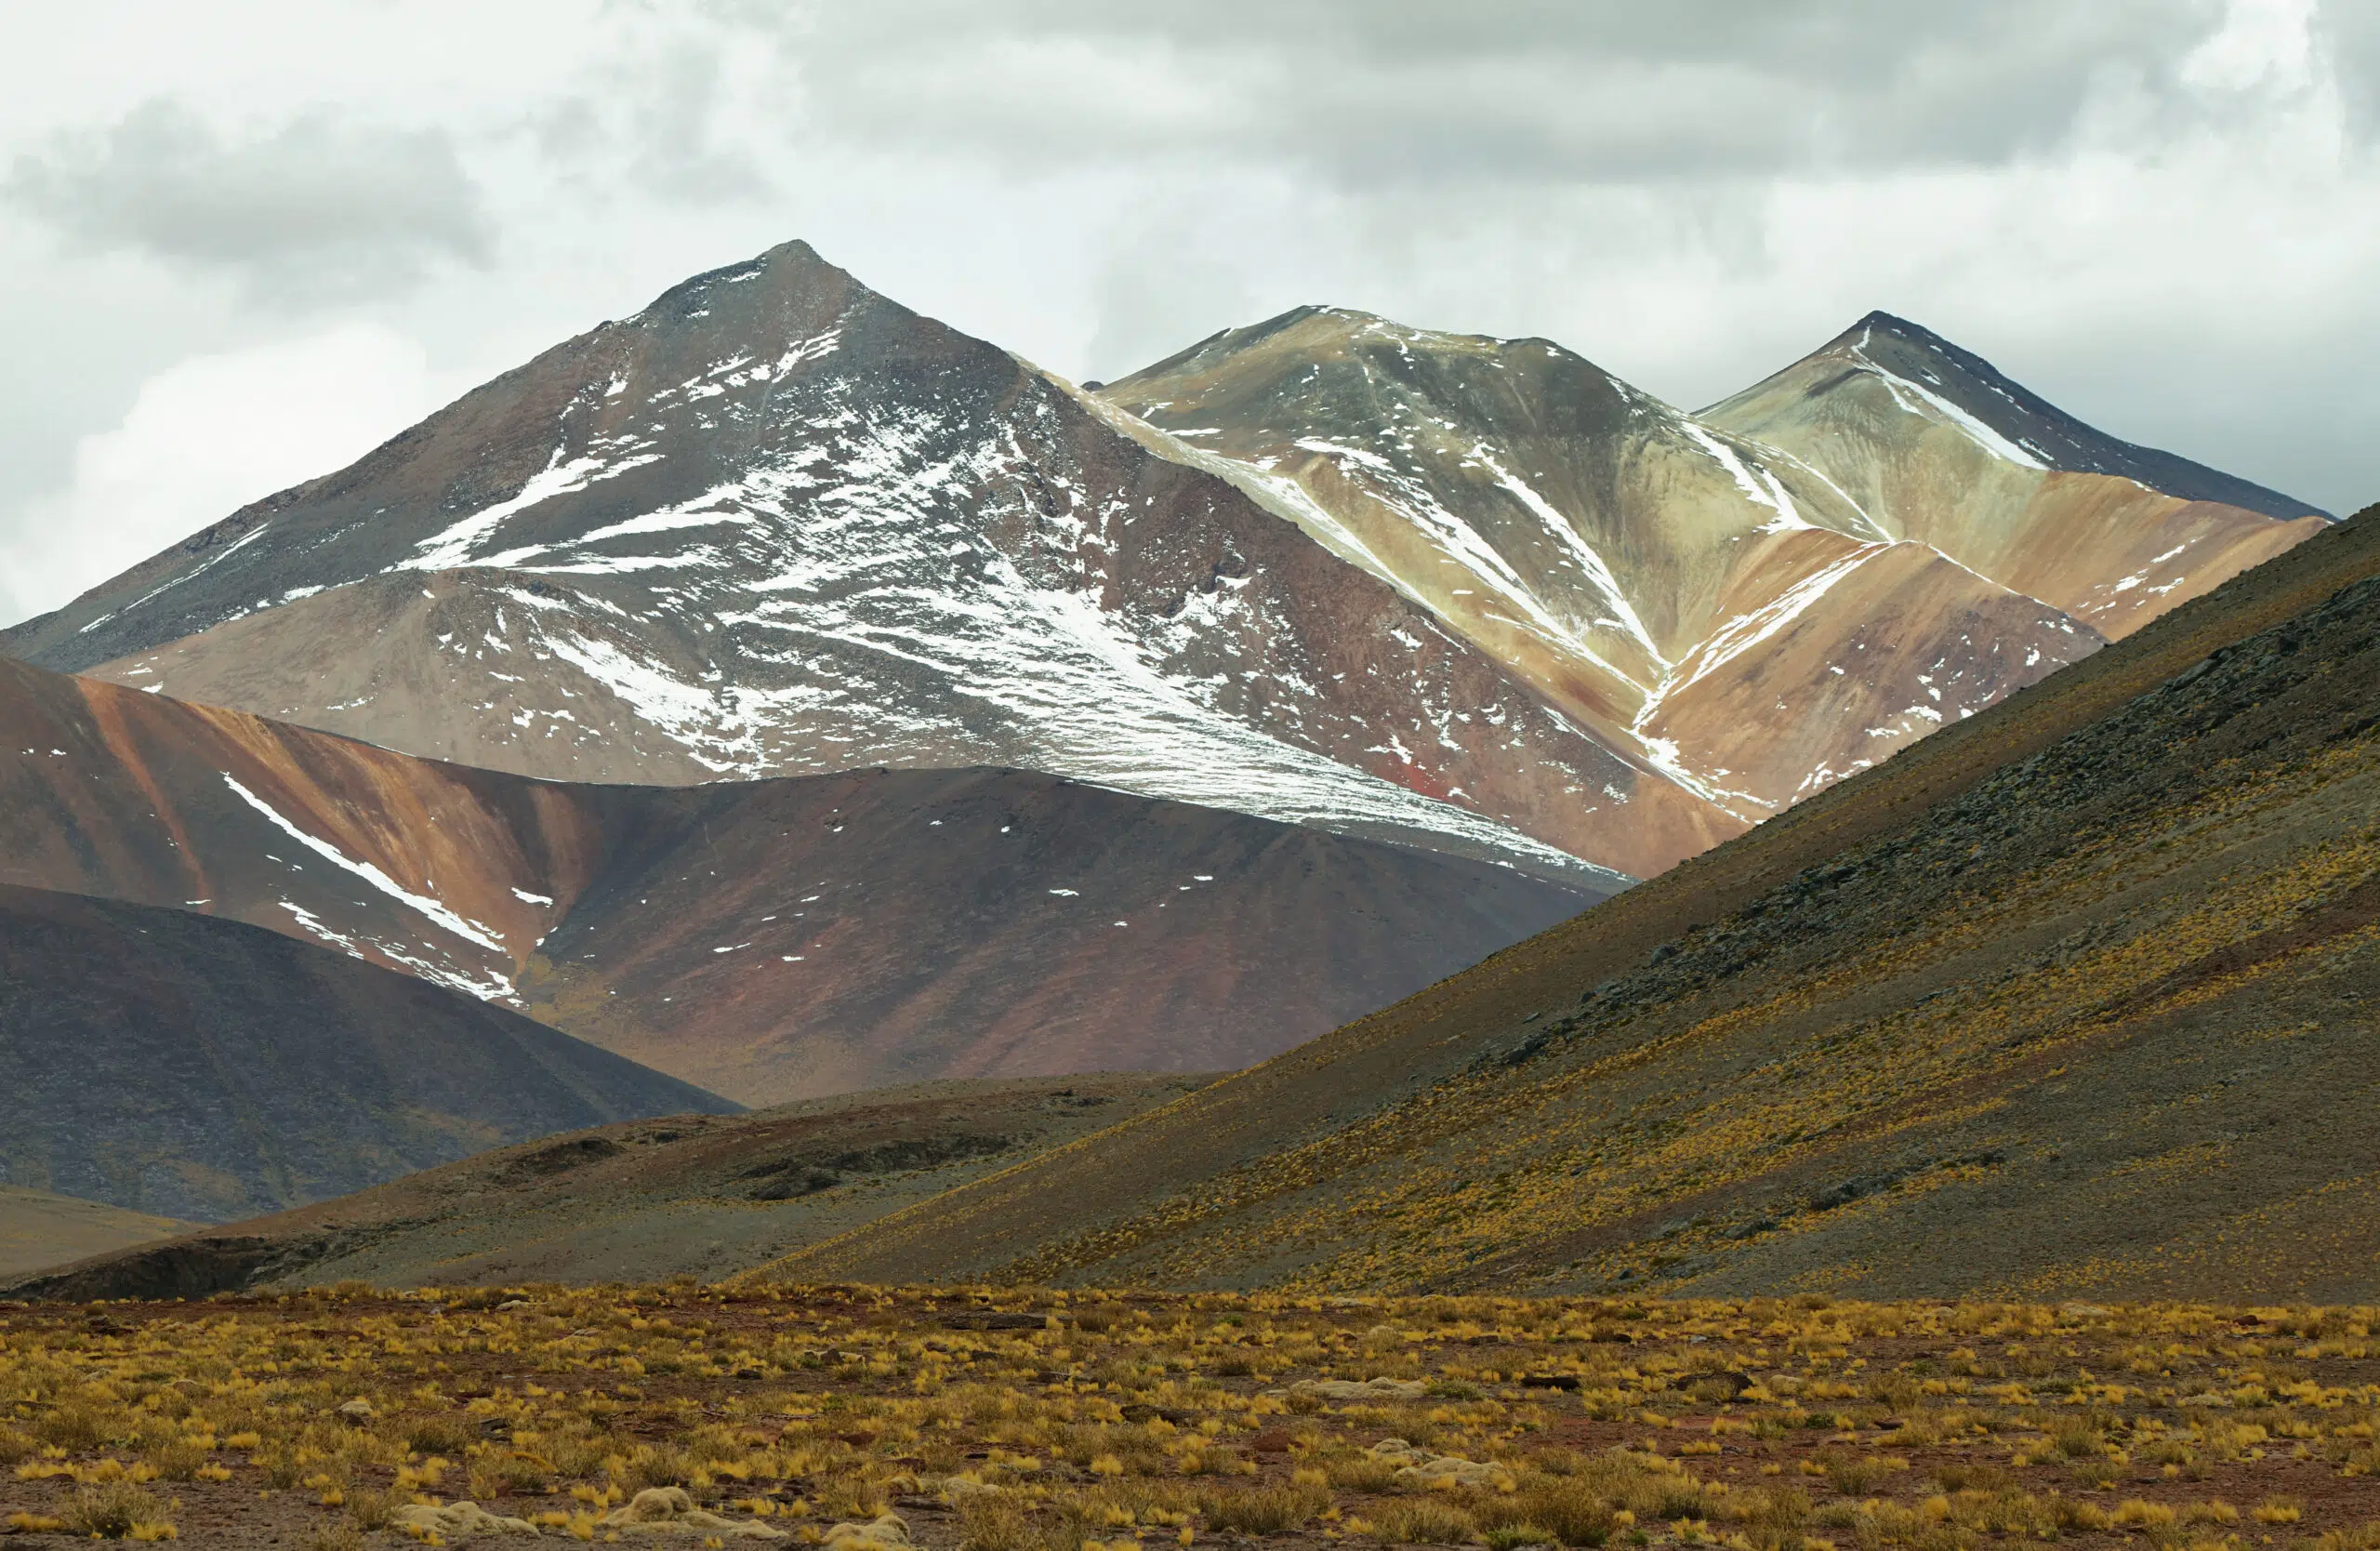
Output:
(1935, 445)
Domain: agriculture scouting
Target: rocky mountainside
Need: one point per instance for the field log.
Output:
(1754, 610)
(170, 1064)
(2074, 998)
(777, 523)
(765, 940)
(694, 1195)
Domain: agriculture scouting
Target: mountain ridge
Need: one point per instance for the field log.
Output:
(2088, 449)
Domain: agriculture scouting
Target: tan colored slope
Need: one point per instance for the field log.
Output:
(1633, 564)
(2019, 1010)
(1880, 414)
(1838, 654)
(39, 1230)
(426, 686)
(447, 873)
(691, 1195)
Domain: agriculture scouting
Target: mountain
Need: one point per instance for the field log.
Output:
(1936, 445)
(767, 940)
(170, 1064)
(777, 523)
(1754, 610)
(694, 1195)
(2074, 998)
(1472, 595)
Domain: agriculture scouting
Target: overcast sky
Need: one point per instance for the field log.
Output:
(242, 242)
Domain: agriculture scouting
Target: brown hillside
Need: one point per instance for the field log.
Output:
(770, 939)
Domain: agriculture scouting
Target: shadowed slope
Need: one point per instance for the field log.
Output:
(166, 1063)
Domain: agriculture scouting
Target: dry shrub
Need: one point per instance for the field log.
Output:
(177, 1459)
(1429, 1520)
(15, 1447)
(281, 1470)
(847, 1497)
(993, 1521)
(1776, 1519)
(1568, 1510)
(655, 1465)
(1955, 1477)
(78, 1427)
(583, 1454)
(1512, 1537)
(440, 1434)
(1360, 1473)
(2363, 1537)
(1852, 1475)
(112, 1511)
(2096, 1473)
(371, 1509)
(1262, 1510)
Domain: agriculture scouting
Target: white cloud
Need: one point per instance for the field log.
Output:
(2164, 213)
(2260, 42)
(204, 437)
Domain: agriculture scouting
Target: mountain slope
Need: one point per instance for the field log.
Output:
(215, 1070)
(1712, 592)
(777, 523)
(768, 939)
(2074, 997)
(1936, 445)
(694, 1195)
(40, 1229)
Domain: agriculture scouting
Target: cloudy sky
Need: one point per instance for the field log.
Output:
(242, 242)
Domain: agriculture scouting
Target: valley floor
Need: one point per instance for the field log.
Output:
(1018, 1421)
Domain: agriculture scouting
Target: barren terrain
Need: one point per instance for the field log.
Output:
(977, 1420)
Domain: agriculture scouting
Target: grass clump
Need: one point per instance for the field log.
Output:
(117, 1510)
(1261, 1510)
(1430, 1520)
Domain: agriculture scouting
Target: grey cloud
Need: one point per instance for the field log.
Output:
(318, 211)
(1370, 91)
(653, 123)
(2349, 31)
